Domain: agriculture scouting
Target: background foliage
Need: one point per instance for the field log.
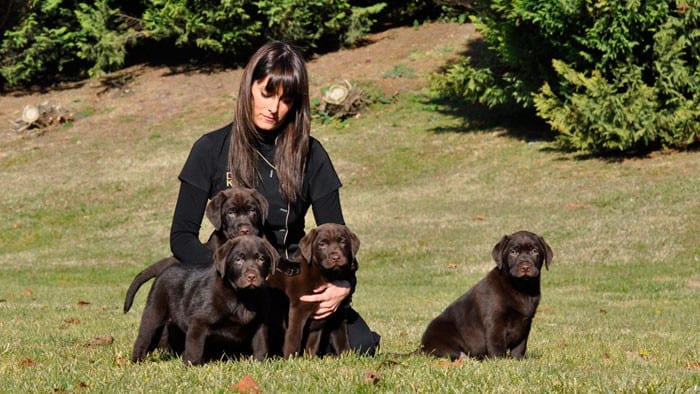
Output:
(608, 76)
(46, 41)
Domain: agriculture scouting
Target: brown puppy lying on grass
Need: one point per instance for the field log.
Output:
(223, 303)
(493, 319)
(326, 253)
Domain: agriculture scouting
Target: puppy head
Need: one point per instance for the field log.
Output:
(332, 246)
(522, 254)
(238, 211)
(246, 261)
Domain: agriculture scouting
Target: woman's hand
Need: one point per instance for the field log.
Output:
(329, 296)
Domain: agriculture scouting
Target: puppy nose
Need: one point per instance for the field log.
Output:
(335, 256)
(243, 230)
(251, 276)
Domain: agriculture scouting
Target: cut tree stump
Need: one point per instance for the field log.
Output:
(343, 100)
(37, 118)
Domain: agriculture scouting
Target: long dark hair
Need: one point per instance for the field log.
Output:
(286, 68)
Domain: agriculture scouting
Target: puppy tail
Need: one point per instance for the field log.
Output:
(144, 276)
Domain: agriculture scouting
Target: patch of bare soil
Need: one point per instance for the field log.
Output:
(395, 61)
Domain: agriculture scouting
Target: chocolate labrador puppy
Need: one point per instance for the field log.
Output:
(233, 212)
(326, 254)
(236, 211)
(225, 303)
(493, 319)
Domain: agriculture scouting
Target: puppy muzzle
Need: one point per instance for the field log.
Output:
(525, 269)
(236, 230)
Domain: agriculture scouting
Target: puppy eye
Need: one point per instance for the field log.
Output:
(514, 251)
(534, 252)
(342, 240)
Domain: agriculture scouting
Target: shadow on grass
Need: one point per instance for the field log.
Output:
(513, 122)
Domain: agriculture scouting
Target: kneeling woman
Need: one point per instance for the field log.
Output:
(268, 147)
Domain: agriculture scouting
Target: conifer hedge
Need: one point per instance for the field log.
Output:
(609, 76)
(47, 41)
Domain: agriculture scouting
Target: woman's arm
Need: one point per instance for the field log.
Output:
(187, 220)
(327, 209)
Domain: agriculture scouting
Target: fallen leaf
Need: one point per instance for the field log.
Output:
(452, 265)
(27, 292)
(27, 362)
(444, 363)
(83, 303)
(71, 320)
(371, 377)
(246, 385)
(479, 217)
(83, 385)
(102, 341)
(693, 365)
(454, 363)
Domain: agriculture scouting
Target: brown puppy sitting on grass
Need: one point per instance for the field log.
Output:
(493, 319)
(326, 253)
(225, 303)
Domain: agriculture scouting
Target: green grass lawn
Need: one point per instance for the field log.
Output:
(429, 201)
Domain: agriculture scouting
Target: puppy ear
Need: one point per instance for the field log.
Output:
(306, 245)
(354, 247)
(497, 252)
(213, 210)
(548, 254)
(272, 254)
(220, 256)
(262, 203)
(354, 242)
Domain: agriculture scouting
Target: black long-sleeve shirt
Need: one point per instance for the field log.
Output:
(205, 174)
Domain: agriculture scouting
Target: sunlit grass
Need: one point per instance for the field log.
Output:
(620, 301)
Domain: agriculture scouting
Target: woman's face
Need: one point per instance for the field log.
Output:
(269, 108)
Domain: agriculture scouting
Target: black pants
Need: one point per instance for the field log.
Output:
(362, 339)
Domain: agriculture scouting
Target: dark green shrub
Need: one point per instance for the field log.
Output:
(218, 26)
(305, 22)
(360, 23)
(318, 24)
(103, 38)
(609, 76)
(59, 38)
(46, 41)
(42, 43)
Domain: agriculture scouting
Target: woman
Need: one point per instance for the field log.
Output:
(268, 147)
